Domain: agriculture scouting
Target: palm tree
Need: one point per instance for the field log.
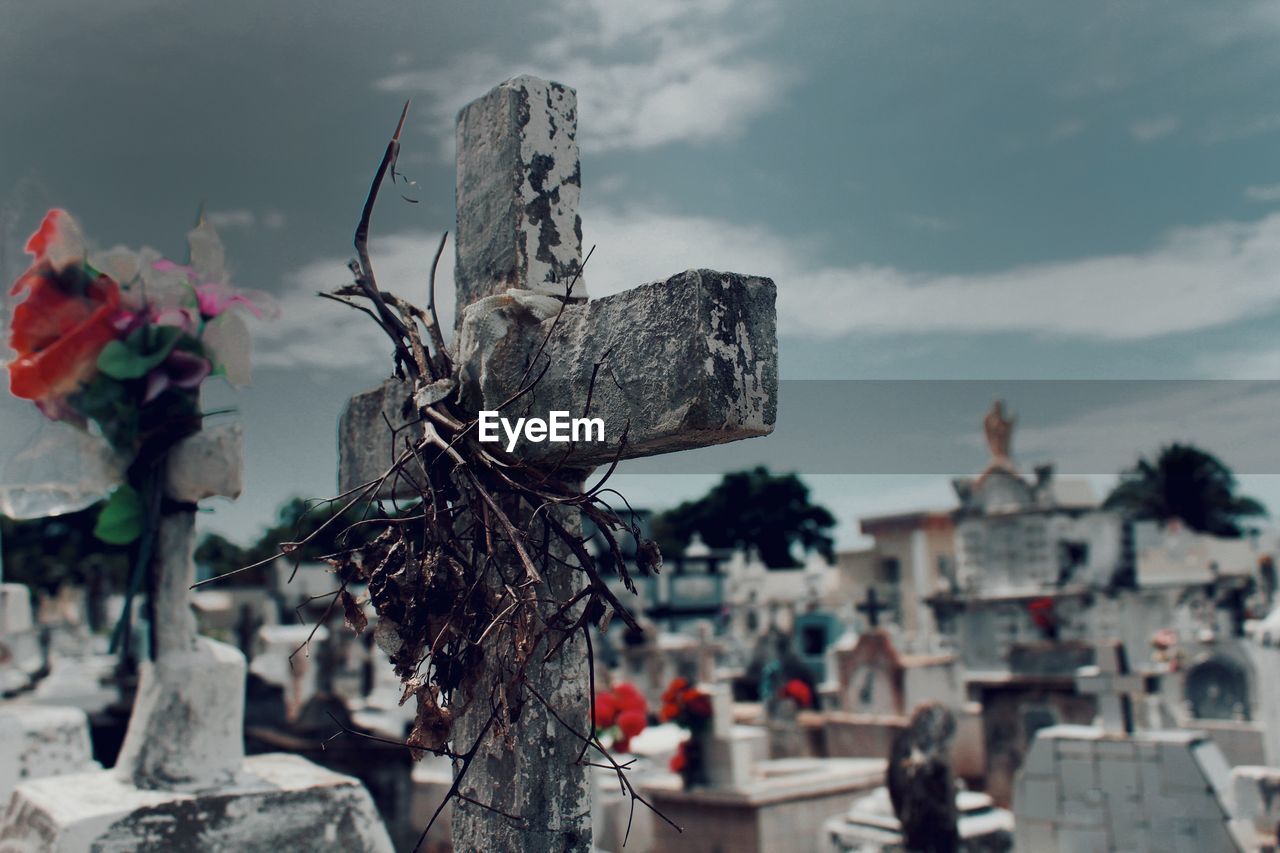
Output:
(1188, 484)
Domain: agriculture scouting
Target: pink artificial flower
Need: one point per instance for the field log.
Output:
(186, 319)
(181, 369)
(214, 297)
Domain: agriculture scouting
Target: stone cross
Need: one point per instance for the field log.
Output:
(687, 362)
(872, 607)
(186, 729)
(1114, 685)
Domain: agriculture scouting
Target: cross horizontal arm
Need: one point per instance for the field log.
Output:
(689, 362)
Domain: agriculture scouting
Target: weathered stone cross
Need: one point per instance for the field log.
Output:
(186, 729)
(687, 363)
(872, 607)
(1115, 686)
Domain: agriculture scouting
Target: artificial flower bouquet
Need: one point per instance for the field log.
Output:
(690, 708)
(118, 343)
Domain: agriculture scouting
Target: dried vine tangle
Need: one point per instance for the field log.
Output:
(438, 572)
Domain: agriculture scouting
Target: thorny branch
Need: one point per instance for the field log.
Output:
(436, 570)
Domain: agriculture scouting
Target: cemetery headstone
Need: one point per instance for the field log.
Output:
(182, 779)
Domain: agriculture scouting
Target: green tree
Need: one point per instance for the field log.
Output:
(45, 553)
(753, 508)
(296, 519)
(1186, 483)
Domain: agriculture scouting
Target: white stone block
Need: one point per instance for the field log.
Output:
(1075, 839)
(1041, 760)
(1036, 835)
(1037, 798)
(207, 464)
(186, 732)
(15, 609)
(1079, 777)
(730, 761)
(1255, 793)
(283, 803)
(38, 741)
(1118, 779)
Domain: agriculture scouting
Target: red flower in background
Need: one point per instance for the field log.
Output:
(1042, 613)
(631, 723)
(606, 711)
(685, 705)
(624, 708)
(797, 691)
(680, 760)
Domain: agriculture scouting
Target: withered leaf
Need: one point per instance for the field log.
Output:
(353, 612)
(431, 725)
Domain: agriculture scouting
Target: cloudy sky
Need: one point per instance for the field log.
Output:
(992, 191)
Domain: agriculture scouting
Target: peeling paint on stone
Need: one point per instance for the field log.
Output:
(518, 187)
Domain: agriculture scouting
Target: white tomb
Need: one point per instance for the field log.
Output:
(182, 780)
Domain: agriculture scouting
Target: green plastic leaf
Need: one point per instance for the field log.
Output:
(137, 356)
(121, 519)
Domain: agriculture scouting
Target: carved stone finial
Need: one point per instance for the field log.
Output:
(999, 430)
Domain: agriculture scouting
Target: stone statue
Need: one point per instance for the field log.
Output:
(921, 785)
(999, 430)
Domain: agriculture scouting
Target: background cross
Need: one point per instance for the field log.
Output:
(872, 606)
(1114, 685)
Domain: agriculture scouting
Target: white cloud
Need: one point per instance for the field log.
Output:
(646, 73)
(1267, 193)
(1151, 129)
(1260, 363)
(243, 218)
(1066, 129)
(316, 332)
(1234, 420)
(1237, 129)
(1195, 278)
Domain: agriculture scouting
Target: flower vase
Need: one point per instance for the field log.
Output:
(693, 773)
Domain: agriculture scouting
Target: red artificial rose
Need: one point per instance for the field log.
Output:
(674, 689)
(799, 692)
(1041, 610)
(629, 698)
(679, 760)
(622, 745)
(631, 723)
(606, 710)
(670, 710)
(59, 329)
(697, 705)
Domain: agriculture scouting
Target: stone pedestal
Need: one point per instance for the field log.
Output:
(281, 803)
(781, 809)
(38, 741)
(1082, 787)
(872, 827)
(19, 646)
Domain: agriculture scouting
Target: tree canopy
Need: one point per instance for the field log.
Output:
(1185, 483)
(756, 508)
(296, 519)
(45, 553)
